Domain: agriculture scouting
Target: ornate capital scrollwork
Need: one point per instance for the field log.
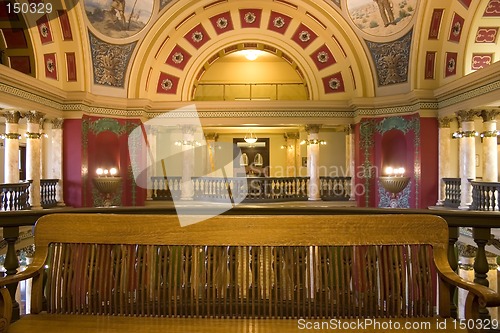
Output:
(292, 135)
(34, 117)
(12, 117)
(57, 123)
(464, 115)
(489, 115)
(444, 122)
(312, 129)
(211, 136)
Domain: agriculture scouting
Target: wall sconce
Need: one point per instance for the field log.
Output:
(313, 142)
(466, 134)
(187, 143)
(107, 183)
(489, 134)
(10, 136)
(101, 172)
(287, 147)
(250, 138)
(394, 172)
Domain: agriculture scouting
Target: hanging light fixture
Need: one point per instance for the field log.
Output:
(250, 138)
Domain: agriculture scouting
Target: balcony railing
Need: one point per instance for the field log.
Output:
(258, 189)
(48, 191)
(14, 196)
(485, 196)
(452, 192)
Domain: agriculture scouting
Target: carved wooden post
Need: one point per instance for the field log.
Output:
(452, 259)
(11, 264)
(481, 267)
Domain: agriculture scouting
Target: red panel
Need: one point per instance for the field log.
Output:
(323, 57)
(250, 18)
(451, 64)
(72, 162)
(493, 8)
(486, 35)
(428, 162)
(466, 3)
(20, 63)
(65, 25)
(71, 66)
(167, 84)
(197, 36)
(304, 36)
(430, 63)
(334, 83)
(457, 25)
(14, 38)
(178, 57)
(279, 22)
(44, 29)
(481, 60)
(435, 23)
(50, 65)
(5, 14)
(222, 23)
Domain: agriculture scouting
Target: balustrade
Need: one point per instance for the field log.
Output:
(335, 188)
(452, 192)
(14, 196)
(48, 191)
(485, 196)
(166, 188)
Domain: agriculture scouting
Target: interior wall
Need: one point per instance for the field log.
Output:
(331, 156)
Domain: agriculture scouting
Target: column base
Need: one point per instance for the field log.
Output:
(440, 203)
(464, 207)
(36, 207)
(61, 204)
(314, 199)
(186, 199)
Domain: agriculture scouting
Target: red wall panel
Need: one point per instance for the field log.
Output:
(72, 162)
(429, 161)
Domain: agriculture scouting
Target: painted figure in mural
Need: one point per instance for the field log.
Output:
(385, 11)
(118, 6)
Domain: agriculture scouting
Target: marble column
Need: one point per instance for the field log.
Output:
(33, 156)
(349, 159)
(11, 160)
(210, 139)
(152, 134)
(43, 148)
(313, 161)
(467, 157)
(56, 169)
(490, 152)
(291, 154)
(187, 188)
(443, 156)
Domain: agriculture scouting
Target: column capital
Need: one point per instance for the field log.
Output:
(211, 136)
(57, 123)
(33, 117)
(464, 115)
(489, 115)
(312, 128)
(444, 122)
(188, 129)
(292, 135)
(12, 117)
(348, 129)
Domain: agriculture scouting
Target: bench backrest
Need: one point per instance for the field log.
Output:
(242, 266)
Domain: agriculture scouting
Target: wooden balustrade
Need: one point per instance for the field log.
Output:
(14, 196)
(485, 196)
(48, 191)
(452, 192)
(335, 188)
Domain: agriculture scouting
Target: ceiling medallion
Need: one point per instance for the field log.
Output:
(250, 17)
(178, 58)
(279, 22)
(44, 30)
(457, 27)
(334, 83)
(222, 23)
(304, 36)
(323, 57)
(167, 84)
(50, 65)
(197, 36)
(451, 65)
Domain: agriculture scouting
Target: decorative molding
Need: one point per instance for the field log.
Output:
(465, 115)
(57, 123)
(312, 128)
(12, 117)
(489, 115)
(391, 59)
(34, 117)
(444, 122)
(467, 95)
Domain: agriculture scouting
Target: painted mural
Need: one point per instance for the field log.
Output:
(119, 18)
(381, 17)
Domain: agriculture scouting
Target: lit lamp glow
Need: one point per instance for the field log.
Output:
(251, 54)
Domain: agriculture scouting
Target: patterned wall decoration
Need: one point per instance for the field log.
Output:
(456, 28)
(65, 25)
(391, 59)
(492, 9)
(167, 84)
(197, 36)
(44, 29)
(178, 58)
(71, 66)
(250, 18)
(279, 22)
(110, 61)
(222, 23)
(304, 36)
(437, 15)
(50, 65)
(334, 83)
(451, 64)
(430, 64)
(323, 57)
(481, 60)
(486, 35)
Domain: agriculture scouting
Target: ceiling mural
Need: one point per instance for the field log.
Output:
(381, 17)
(119, 18)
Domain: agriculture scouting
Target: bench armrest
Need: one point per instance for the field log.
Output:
(28, 273)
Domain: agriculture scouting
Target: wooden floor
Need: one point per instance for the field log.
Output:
(108, 324)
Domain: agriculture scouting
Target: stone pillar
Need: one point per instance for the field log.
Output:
(349, 159)
(187, 188)
(43, 171)
(56, 171)
(33, 156)
(467, 157)
(443, 156)
(151, 160)
(313, 161)
(11, 167)
(291, 154)
(490, 152)
(210, 139)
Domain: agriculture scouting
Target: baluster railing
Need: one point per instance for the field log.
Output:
(335, 188)
(48, 191)
(485, 196)
(166, 188)
(452, 192)
(14, 196)
(481, 267)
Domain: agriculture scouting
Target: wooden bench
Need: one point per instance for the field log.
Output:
(145, 273)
